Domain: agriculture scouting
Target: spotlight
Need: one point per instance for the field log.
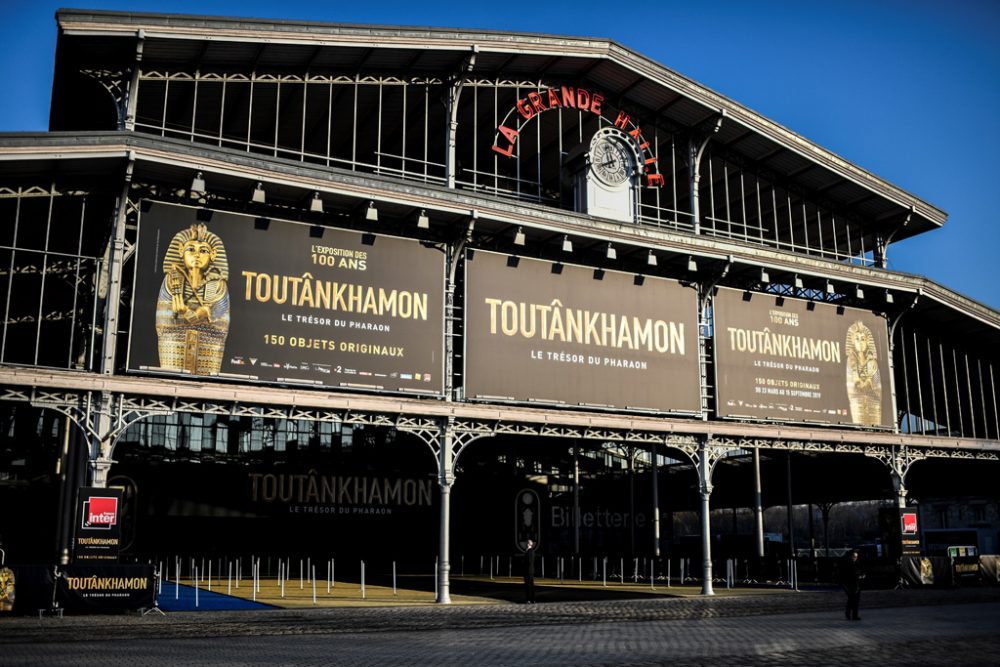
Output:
(859, 293)
(423, 222)
(764, 276)
(198, 184)
(315, 232)
(798, 282)
(829, 287)
(567, 245)
(259, 196)
(651, 259)
(611, 252)
(519, 236)
(692, 265)
(316, 204)
(371, 213)
(888, 297)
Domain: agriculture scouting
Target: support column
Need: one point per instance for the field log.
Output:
(576, 498)
(791, 525)
(655, 474)
(758, 508)
(446, 478)
(454, 93)
(632, 452)
(696, 150)
(705, 490)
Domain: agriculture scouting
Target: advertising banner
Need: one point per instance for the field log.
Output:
(262, 300)
(793, 360)
(98, 528)
(106, 588)
(538, 331)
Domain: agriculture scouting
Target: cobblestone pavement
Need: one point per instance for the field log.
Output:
(899, 628)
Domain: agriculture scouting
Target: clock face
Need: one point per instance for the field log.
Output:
(611, 160)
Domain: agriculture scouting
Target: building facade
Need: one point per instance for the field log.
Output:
(291, 283)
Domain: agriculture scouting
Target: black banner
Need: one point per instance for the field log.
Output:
(537, 331)
(98, 527)
(106, 588)
(794, 360)
(227, 295)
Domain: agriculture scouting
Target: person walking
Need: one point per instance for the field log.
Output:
(851, 574)
(529, 573)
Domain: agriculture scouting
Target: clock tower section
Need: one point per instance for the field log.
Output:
(606, 176)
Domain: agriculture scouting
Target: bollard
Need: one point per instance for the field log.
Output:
(313, 571)
(394, 577)
(362, 580)
(668, 572)
(604, 571)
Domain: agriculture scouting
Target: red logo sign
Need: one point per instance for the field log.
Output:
(909, 523)
(101, 512)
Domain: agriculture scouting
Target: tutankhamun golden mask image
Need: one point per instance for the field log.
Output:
(864, 382)
(192, 310)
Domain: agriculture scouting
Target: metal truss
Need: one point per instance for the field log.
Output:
(237, 77)
(428, 428)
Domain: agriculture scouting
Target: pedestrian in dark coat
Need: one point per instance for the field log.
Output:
(529, 573)
(851, 575)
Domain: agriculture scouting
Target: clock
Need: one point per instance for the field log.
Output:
(611, 158)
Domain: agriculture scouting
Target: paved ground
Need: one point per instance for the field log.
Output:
(959, 627)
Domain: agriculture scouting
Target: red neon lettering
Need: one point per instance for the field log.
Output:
(536, 102)
(582, 99)
(595, 104)
(569, 96)
(644, 145)
(506, 152)
(511, 136)
(553, 99)
(635, 133)
(622, 120)
(650, 160)
(655, 179)
(525, 109)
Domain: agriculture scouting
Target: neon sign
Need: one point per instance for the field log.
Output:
(581, 99)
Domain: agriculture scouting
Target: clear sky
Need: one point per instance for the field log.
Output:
(907, 89)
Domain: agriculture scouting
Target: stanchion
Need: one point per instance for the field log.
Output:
(393, 578)
(604, 572)
(362, 580)
(313, 572)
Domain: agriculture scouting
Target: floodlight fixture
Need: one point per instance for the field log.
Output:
(259, 196)
(651, 259)
(611, 252)
(371, 213)
(423, 222)
(198, 184)
(567, 245)
(316, 204)
(519, 236)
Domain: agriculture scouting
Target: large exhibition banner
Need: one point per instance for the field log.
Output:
(794, 360)
(538, 331)
(227, 295)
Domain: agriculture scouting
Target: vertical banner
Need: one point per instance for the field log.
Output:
(909, 531)
(98, 528)
(226, 295)
(538, 331)
(792, 360)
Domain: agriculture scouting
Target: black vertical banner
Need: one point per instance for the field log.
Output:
(98, 526)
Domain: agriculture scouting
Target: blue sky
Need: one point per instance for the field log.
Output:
(907, 89)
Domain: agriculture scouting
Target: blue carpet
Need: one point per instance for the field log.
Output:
(207, 600)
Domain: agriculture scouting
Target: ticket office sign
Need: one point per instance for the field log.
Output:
(542, 332)
(792, 360)
(229, 295)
